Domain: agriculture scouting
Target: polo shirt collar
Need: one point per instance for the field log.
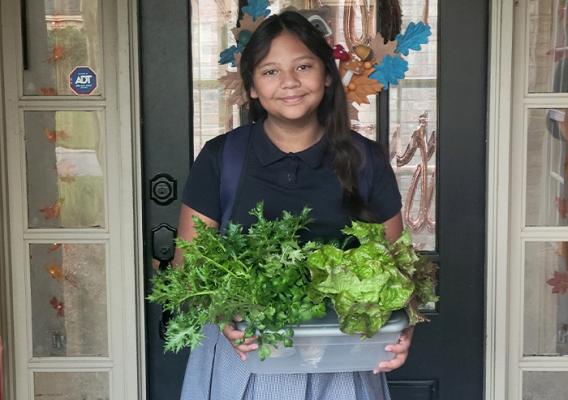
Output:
(268, 153)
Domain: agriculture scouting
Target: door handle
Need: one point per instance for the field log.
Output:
(163, 243)
(163, 250)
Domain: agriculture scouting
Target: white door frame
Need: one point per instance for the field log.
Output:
(498, 160)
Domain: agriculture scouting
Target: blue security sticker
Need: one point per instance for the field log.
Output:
(82, 80)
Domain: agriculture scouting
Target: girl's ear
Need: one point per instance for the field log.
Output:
(327, 80)
(253, 94)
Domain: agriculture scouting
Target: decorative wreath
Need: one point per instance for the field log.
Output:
(365, 70)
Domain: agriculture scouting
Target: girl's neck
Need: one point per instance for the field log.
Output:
(293, 137)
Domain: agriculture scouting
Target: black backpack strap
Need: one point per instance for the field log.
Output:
(366, 172)
(233, 159)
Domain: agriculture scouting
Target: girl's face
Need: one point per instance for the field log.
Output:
(290, 81)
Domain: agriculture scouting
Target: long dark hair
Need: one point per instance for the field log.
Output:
(332, 111)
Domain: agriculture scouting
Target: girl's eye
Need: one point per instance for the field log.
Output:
(304, 67)
(269, 72)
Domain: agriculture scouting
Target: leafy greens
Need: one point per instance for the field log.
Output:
(260, 275)
(270, 279)
(365, 284)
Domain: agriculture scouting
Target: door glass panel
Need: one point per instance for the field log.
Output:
(546, 299)
(69, 301)
(64, 169)
(71, 385)
(544, 385)
(215, 109)
(546, 196)
(413, 108)
(548, 46)
(60, 35)
(413, 103)
(210, 34)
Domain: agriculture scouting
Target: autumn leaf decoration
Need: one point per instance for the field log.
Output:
(559, 282)
(365, 70)
(253, 15)
(58, 306)
(234, 87)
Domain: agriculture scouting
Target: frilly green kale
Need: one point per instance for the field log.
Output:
(365, 284)
(260, 275)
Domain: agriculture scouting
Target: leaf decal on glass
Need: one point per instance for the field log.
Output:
(47, 91)
(559, 282)
(57, 54)
(58, 306)
(54, 136)
(54, 247)
(412, 39)
(52, 211)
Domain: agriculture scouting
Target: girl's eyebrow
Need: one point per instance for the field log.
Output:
(274, 63)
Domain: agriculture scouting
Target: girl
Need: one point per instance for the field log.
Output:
(301, 152)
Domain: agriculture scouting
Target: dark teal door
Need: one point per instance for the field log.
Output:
(446, 362)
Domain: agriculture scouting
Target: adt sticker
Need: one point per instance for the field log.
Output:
(82, 80)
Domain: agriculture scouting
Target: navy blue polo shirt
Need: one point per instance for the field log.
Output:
(287, 181)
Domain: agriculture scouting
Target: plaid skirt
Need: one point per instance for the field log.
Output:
(215, 372)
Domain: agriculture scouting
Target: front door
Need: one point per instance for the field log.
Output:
(441, 104)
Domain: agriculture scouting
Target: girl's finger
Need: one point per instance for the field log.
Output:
(388, 366)
(246, 348)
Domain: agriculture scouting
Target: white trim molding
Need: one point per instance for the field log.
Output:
(6, 320)
(498, 167)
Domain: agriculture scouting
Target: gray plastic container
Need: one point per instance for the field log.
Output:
(319, 346)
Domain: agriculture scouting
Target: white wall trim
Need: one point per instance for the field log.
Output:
(498, 166)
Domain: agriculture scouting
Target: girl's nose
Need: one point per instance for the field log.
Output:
(289, 79)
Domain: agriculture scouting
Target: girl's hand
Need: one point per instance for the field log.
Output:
(236, 339)
(400, 351)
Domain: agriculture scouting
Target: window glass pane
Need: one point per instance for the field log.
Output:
(546, 197)
(64, 169)
(413, 109)
(546, 299)
(548, 46)
(71, 386)
(544, 385)
(60, 36)
(69, 301)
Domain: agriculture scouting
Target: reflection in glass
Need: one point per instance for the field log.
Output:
(61, 35)
(64, 169)
(71, 386)
(546, 197)
(68, 292)
(548, 46)
(544, 385)
(546, 299)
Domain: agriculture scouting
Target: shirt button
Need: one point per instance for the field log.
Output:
(290, 177)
